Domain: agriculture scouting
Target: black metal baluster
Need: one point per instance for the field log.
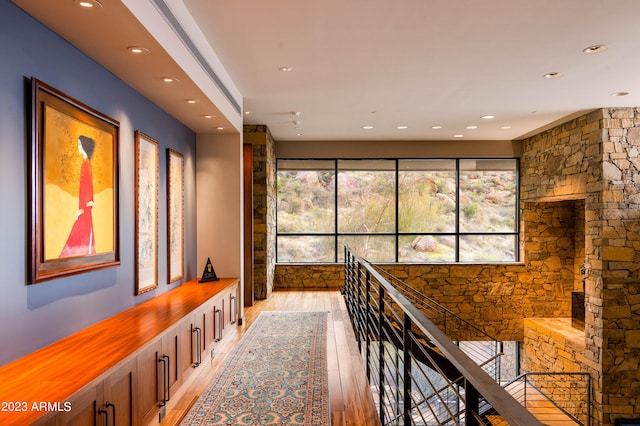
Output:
(406, 355)
(381, 350)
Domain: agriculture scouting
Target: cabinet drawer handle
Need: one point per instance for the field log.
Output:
(163, 400)
(168, 377)
(106, 415)
(113, 407)
(197, 331)
(199, 345)
(219, 323)
(234, 308)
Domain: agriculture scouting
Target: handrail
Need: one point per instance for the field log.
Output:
(478, 382)
(456, 328)
(577, 407)
(433, 304)
(460, 378)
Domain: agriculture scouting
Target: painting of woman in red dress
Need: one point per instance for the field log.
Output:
(81, 238)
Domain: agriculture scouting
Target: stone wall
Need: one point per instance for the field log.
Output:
(595, 158)
(580, 244)
(289, 276)
(494, 297)
(552, 344)
(613, 290)
(565, 163)
(264, 207)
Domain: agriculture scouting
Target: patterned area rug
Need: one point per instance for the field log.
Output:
(276, 375)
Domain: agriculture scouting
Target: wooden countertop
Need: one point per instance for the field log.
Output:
(55, 372)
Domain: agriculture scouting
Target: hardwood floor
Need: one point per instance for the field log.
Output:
(350, 399)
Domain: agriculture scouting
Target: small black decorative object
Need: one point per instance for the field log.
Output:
(209, 274)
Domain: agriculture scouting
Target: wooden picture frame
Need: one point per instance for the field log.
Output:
(74, 183)
(175, 216)
(146, 192)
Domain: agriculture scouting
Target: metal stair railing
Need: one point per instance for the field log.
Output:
(483, 348)
(389, 330)
(569, 393)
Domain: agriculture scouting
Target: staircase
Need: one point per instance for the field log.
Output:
(539, 405)
(437, 385)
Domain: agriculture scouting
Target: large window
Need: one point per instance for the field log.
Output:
(407, 210)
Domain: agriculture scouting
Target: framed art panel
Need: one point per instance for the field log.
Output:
(175, 216)
(146, 213)
(74, 186)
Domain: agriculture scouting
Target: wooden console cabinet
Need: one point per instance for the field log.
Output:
(109, 402)
(123, 370)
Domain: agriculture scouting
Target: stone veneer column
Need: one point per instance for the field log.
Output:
(595, 157)
(561, 164)
(615, 293)
(264, 207)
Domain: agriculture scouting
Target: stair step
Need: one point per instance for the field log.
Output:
(496, 420)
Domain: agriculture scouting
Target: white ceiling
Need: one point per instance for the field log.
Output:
(380, 63)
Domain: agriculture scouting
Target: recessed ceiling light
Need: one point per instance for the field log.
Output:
(436, 127)
(169, 79)
(505, 127)
(286, 69)
(620, 94)
(596, 48)
(208, 116)
(402, 127)
(367, 127)
(191, 101)
(488, 117)
(88, 4)
(458, 136)
(137, 50)
(555, 74)
(472, 127)
(220, 128)
(247, 112)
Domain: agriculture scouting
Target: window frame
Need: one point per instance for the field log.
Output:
(397, 234)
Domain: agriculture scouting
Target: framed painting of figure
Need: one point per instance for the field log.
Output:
(74, 186)
(146, 213)
(175, 216)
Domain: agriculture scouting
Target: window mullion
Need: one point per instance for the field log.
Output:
(397, 203)
(335, 209)
(457, 225)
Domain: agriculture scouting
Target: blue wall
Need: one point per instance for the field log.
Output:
(32, 316)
